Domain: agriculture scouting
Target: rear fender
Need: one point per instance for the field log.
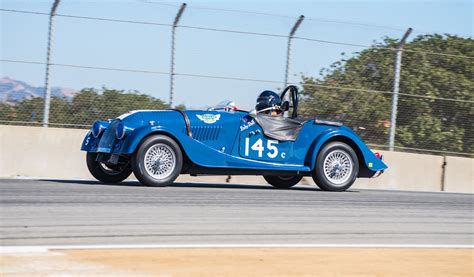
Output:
(365, 155)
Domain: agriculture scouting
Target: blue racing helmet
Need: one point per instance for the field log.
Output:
(267, 100)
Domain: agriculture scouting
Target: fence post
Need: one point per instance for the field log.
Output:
(288, 49)
(396, 87)
(173, 33)
(47, 88)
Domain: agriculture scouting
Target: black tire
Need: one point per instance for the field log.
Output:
(170, 148)
(328, 184)
(106, 174)
(283, 182)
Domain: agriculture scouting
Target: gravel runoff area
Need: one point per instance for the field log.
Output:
(242, 262)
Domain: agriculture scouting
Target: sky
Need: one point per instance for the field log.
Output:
(203, 52)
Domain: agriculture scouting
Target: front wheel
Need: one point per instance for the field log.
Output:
(158, 161)
(107, 173)
(283, 182)
(336, 167)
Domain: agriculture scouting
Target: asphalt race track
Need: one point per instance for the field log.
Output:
(55, 212)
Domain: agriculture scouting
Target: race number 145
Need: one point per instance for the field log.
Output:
(258, 146)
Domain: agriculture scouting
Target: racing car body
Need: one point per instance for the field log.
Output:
(158, 145)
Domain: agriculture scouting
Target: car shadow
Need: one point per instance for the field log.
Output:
(237, 186)
(94, 183)
(187, 185)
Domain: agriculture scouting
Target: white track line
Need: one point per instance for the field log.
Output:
(38, 249)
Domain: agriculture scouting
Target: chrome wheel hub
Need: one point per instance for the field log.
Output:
(160, 161)
(338, 166)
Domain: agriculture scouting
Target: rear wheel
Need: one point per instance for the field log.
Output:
(336, 167)
(158, 161)
(283, 182)
(107, 173)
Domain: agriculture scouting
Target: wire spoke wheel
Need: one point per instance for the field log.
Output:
(338, 167)
(160, 161)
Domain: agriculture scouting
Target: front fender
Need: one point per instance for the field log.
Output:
(345, 134)
(89, 142)
(132, 141)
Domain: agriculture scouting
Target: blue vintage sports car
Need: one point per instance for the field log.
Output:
(271, 141)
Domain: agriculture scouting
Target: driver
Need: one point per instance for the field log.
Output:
(268, 102)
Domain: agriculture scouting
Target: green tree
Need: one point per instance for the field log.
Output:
(32, 110)
(347, 91)
(86, 106)
(91, 104)
(7, 112)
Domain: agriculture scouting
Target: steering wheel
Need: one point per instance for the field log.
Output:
(294, 99)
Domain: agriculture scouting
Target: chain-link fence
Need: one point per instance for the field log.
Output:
(433, 112)
(435, 103)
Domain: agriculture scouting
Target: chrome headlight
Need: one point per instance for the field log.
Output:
(121, 131)
(97, 128)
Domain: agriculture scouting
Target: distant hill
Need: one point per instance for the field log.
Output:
(13, 91)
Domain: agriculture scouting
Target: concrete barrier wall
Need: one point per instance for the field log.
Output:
(408, 171)
(54, 153)
(459, 175)
(42, 152)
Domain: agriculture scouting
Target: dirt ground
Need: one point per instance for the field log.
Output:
(244, 262)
